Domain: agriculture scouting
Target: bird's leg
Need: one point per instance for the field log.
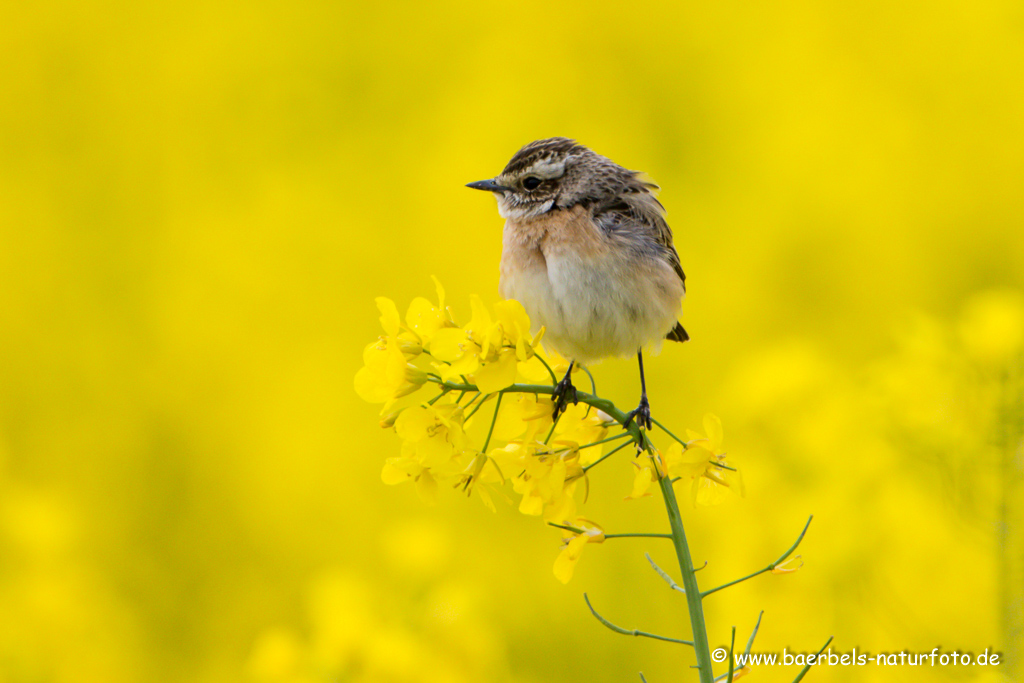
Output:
(643, 411)
(562, 392)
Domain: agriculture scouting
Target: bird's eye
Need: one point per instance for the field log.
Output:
(531, 183)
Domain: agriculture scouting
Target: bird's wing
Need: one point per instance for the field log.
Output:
(639, 211)
(639, 214)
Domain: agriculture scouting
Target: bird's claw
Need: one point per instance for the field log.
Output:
(642, 413)
(560, 396)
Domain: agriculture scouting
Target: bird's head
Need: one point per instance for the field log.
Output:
(557, 173)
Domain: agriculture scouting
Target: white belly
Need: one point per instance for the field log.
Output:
(606, 304)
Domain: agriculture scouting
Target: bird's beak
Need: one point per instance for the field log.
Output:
(488, 185)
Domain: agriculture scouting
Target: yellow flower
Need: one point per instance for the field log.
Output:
(580, 425)
(573, 543)
(424, 318)
(489, 350)
(642, 479)
(515, 325)
(386, 375)
(433, 448)
(407, 341)
(459, 354)
(433, 432)
(406, 468)
(523, 417)
(498, 373)
(546, 480)
(703, 462)
(481, 473)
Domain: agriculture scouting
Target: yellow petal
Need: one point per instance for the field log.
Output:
(485, 498)
(713, 428)
(531, 504)
(641, 482)
(789, 566)
(449, 344)
(565, 563)
(708, 492)
(393, 473)
(512, 317)
(481, 320)
(423, 318)
(414, 423)
(561, 507)
(369, 387)
(435, 450)
(440, 292)
(426, 487)
(389, 319)
(499, 374)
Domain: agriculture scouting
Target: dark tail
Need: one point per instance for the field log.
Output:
(677, 334)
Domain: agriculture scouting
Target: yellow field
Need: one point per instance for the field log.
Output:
(199, 202)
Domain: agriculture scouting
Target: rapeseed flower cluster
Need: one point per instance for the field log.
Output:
(472, 406)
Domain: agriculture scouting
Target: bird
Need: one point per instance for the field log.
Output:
(587, 251)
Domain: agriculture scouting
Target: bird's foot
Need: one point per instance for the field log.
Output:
(564, 392)
(642, 413)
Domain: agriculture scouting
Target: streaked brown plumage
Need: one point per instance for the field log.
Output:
(588, 253)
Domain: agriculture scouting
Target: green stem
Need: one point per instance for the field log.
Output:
(606, 456)
(693, 597)
(602, 404)
(631, 631)
(577, 530)
(662, 428)
(733, 583)
(770, 567)
(494, 420)
(678, 536)
(598, 443)
(554, 378)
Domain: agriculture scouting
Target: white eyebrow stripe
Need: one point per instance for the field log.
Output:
(547, 169)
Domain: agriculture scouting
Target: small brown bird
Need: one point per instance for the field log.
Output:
(588, 253)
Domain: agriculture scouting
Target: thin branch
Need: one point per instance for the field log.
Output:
(554, 423)
(601, 404)
(607, 455)
(478, 406)
(663, 574)
(642, 677)
(638, 535)
(750, 643)
(494, 421)
(593, 384)
(732, 655)
(708, 592)
(633, 632)
(577, 530)
(807, 668)
(789, 552)
(662, 428)
(770, 567)
(598, 443)
(554, 378)
(437, 398)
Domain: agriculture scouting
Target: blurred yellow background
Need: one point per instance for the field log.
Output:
(199, 201)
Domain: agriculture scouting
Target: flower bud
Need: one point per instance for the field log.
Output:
(414, 379)
(387, 421)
